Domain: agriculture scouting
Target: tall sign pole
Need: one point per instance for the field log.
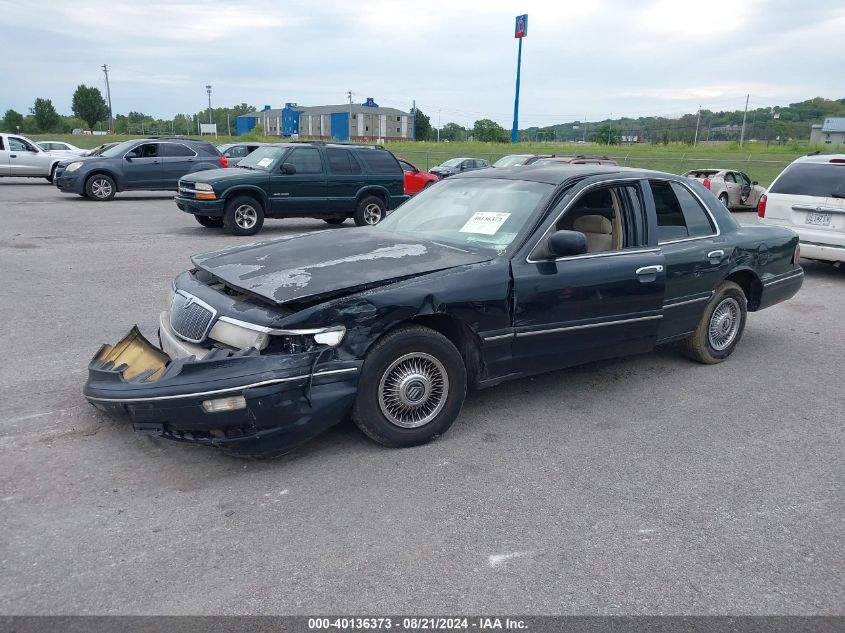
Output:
(519, 33)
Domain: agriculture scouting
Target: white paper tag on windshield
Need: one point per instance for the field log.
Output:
(485, 222)
(265, 162)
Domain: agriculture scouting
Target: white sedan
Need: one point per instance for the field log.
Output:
(809, 198)
(62, 148)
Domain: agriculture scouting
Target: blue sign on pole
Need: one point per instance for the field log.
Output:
(521, 26)
(520, 32)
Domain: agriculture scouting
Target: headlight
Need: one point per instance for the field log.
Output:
(241, 335)
(203, 186)
(74, 166)
(232, 332)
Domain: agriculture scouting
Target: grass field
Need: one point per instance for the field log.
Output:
(759, 161)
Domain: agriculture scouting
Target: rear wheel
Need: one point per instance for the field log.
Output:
(243, 216)
(720, 328)
(334, 220)
(412, 387)
(100, 187)
(370, 211)
(209, 222)
(723, 198)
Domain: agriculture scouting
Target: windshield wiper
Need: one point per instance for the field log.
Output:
(245, 167)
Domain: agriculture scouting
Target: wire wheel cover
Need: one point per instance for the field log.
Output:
(413, 390)
(724, 324)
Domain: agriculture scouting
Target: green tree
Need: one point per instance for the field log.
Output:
(46, 117)
(488, 131)
(89, 105)
(453, 132)
(422, 126)
(606, 135)
(12, 121)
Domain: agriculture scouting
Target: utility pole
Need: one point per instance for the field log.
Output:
(438, 124)
(349, 95)
(697, 121)
(208, 90)
(744, 114)
(108, 96)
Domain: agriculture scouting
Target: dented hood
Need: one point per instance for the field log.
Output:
(329, 263)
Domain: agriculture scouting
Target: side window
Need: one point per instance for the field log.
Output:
(379, 161)
(407, 166)
(729, 177)
(20, 145)
(2, 147)
(146, 150)
(742, 179)
(306, 160)
(238, 151)
(610, 218)
(341, 161)
(679, 214)
(176, 150)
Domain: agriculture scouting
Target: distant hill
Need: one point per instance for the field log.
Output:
(765, 124)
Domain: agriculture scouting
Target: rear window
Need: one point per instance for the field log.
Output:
(811, 179)
(379, 161)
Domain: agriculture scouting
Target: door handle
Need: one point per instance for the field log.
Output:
(647, 274)
(13, 155)
(716, 257)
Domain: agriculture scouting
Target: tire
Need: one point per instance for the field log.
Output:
(243, 216)
(428, 184)
(334, 220)
(100, 188)
(209, 222)
(725, 314)
(370, 211)
(52, 173)
(410, 364)
(723, 198)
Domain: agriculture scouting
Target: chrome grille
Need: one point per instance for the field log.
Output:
(190, 318)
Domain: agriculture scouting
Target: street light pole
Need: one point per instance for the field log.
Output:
(208, 90)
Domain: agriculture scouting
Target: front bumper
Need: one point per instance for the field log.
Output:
(210, 208)
(68, 182)
(287, 399)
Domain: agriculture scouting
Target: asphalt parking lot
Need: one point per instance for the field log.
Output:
(644, 485)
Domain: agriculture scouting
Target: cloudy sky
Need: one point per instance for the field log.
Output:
(581, 58)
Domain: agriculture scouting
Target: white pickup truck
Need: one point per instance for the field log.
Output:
(21, 157)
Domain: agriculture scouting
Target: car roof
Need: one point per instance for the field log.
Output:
(821, 158)
(558, 174)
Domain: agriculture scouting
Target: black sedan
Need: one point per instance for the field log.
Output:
(489, 276)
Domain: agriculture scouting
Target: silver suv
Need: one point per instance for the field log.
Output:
(21, 157)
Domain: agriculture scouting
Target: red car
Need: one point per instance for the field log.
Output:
(416, 180)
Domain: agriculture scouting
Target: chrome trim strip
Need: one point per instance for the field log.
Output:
(800, 273)
(688, 301)
(589, 325)
(246, 325)
(817, 209)
(275, 332)
(213, 392)
(833, 246)
(498, 337)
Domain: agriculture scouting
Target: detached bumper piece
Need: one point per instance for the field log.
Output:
(242, 402)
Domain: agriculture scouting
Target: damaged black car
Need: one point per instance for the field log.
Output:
(484, 278)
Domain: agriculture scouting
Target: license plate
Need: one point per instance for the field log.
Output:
(818, 218)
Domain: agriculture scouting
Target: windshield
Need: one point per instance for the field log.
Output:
(475, 213)
(510, 161)
(452, 163)
(118, 150)
(263, 158)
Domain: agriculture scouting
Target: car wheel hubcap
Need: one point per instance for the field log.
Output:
(724, 324)
(245, 216)
(101, 188)
(372, 214)
(413, 390)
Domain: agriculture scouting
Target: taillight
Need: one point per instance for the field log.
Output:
(761, 207)
(796, 258)
(224, 162)
(838, 160)
(706, 183)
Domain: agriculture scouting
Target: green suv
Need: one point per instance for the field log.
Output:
(296, 180)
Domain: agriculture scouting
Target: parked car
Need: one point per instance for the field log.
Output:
(21, 157)
(733, 188)
(234, 152)
(416, 180)
(515, 160)
(486, 277)
(61, 148)
(100, 149)
(296, 180)
(457, 166)
(571, 160)
(809, 198)
(140, 164)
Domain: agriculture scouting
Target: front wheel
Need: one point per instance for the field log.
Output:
(52, 174)
(412, 387)
(723, 198)
(100, 187)
(370, 211)
(209, 222)
(243, 216)
(720, 328)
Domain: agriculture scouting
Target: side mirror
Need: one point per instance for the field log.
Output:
(754, 182)
(128, 158)
(563, 244)
(288, 168)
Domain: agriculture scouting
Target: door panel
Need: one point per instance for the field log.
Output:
(304, 192)
(26, 160)
(144, 170)
(176, 161)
